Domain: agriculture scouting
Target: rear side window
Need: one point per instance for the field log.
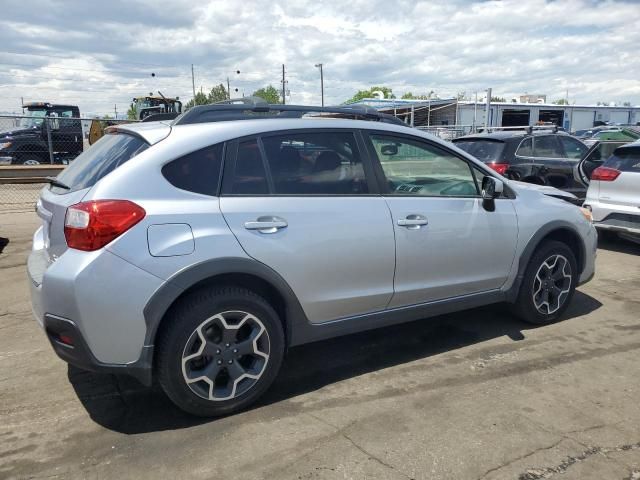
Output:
(315, 163)
(484, 150)
(197, 172)
(526, 148)
(102, 158)
(625, 161)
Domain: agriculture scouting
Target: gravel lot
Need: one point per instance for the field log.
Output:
(474, 395)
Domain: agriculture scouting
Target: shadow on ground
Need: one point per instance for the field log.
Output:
(3, 243)
(121, 404)
(614, 243)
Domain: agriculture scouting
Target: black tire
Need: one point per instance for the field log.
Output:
(191, 314)
(525, 306)
(30, 159)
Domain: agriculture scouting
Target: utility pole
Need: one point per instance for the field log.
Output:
(22, 104)
(228, 89)
(284, 86)
(193, 81)
(487, 109)
(115, 110)
(475, 112)
(319, 65)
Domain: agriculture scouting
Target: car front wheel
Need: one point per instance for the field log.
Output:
(221, 350)
(548, 284)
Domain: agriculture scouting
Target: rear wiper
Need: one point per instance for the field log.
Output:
(57, 183)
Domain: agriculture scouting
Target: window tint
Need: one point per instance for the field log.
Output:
(249, 177)
(483, 150)
(625, 161)
(100, 159)
(526, 148)
(572, 147)
(417, 168)
(315, 163)
(197, 171)
(547, 146)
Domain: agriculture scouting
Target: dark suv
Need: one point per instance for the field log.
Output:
(543, 157)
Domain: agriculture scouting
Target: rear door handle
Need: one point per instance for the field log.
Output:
(266, 224)
(413, 222)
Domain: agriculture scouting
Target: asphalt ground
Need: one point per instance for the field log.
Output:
(472, 395)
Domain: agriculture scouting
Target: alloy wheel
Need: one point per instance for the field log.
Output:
(552, 284)
(225, 355)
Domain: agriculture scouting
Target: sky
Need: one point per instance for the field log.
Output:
(100, 54)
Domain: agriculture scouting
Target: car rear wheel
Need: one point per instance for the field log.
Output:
(548, 284)
(222, 349)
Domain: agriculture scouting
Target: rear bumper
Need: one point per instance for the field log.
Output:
(96, 299)
(75, 351)
(617, 218)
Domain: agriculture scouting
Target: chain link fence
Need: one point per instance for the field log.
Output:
(40, 138)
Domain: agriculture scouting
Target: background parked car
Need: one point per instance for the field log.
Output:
(617, 133)
(614, 191)
(543, 157)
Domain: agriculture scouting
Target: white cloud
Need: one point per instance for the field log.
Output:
(104, 55)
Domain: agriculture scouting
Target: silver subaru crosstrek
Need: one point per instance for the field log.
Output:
(196, 251)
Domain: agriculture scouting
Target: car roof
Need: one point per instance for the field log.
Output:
(635, 145)
(211, 132)
(504, 135)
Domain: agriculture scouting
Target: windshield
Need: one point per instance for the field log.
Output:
(100, 159)
(483, 150)
(33, 118)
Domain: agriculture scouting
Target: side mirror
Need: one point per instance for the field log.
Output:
(389, 149)
(491, 188)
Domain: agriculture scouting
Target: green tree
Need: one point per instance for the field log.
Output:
(268, 94)
(362, 94)
(626, 104)
(199, 99)
(561, 101)
(498, 99)
(218, 94)
(131, 113)
(411, 96)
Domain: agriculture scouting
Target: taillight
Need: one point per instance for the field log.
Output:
(501, 168)
(605, 174)
(91, 225)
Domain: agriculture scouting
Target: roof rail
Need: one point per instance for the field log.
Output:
(248, 108)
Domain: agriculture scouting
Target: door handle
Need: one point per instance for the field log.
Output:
(266, 224)
(413, 222)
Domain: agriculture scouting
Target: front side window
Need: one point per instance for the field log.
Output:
(547, 147)
(573, 148)
(249, 176)
(315, 163)
(413, 167)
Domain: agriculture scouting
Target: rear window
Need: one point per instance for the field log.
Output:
(102, 158)
(628, 161)
(483, 150)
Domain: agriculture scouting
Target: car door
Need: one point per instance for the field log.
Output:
(304, 203)
(447, 244)
(594, 158)
(552, 167)
(67, 134)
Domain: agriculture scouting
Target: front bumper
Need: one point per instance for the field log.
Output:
(5, 159)
(590, 252)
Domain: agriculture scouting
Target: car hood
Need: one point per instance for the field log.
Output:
(17, 132)
(546, 190)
